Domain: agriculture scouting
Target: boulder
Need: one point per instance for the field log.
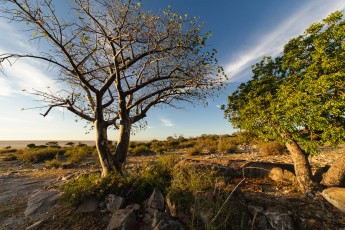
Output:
(89, 205)
(123, 219)
(114, 202)
(289, 177)
(162, 221)
(335, 196)
(279, 218)
(41, 201)
(276, 174)
(171, 207)
(156, 200)
(335, 176)
(262, 169)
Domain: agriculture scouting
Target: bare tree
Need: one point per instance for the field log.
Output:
(117, 62)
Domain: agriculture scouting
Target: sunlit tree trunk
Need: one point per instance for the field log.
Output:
(302, 166)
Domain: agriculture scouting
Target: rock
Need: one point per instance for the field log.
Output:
(262, 169)
(171, 207)
(335, 176)
(276, 174)
(162, 221)
(41, 201)
(88, 205)
(319, 173)
(156, 200)
(123, 219)
(114, 202)
(289, 177)
(35, 226)
(335, 196)
(279, 218)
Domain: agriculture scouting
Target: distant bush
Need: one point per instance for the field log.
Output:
(38, 155)
(78, 154)
(140, 150)
(54, 163)
(271, 148)
(53, 144)
(31, 145)
(8, 150)
(8, 147)
(70, 143)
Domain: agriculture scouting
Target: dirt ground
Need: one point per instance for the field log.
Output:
(18, 180)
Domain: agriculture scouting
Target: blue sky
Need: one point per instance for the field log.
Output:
(243, 32)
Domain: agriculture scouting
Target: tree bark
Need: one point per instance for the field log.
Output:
(122, 144)
(335, 176)
(302, 166)
(102, 147)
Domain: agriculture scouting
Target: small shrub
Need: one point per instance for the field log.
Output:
(140, 150)
(194, 151)
(227, 145)
(8, 150)
(8, 147)
(55, 163)
(78, 189)
(78, 154)
(271, 148)
(38, 155)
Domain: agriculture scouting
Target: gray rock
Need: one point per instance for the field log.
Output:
(41, 201)
(335, 176)
(156, 200)
(123, 219)
(171, 207)
(162, 221)
(114, 202)
(289, 177)
(89, 205)
(335, 196)
(279, 218)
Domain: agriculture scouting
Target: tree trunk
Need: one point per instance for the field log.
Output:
(102, 147)
(335, 176)
(302, 166)
(122, 144)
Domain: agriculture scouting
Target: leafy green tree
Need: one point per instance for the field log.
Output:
(117, 62)
(297, 96)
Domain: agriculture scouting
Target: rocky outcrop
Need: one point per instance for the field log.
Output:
(335, 176)
(89, 205)
(41, 201)
(123, 219)
(283, 176)
(335, 196)
(114, 202)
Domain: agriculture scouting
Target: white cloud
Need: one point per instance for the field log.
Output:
(167, 122)
(273, 42)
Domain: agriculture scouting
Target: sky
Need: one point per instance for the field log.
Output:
(243, 32)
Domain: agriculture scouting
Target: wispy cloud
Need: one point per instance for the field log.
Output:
(272, 43)
(167, 122)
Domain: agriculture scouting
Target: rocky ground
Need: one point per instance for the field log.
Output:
(18, 181)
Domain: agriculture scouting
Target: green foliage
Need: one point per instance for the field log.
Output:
(299, 93)
(70, 143)
(38, 155)
(78, 154)
(271, 148)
